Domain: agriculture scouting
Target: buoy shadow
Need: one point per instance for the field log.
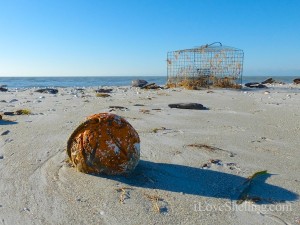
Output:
(7, 122)
(202, 182)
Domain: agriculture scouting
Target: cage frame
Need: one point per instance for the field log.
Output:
(211, 62)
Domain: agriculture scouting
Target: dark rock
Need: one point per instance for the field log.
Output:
(255, 85)
(101, 90)
(261, 86)
(138, 83)
(297, 81)
(47, 90)
(9, 113)
(251, 84)
(5, 132)
(138, 105)
(3, 89)
(196, 106)
(118, 107)
(151, 86)
(13, 100)
(269, 81)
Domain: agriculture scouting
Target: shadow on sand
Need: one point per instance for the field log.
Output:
(202, 182)
(7, 122)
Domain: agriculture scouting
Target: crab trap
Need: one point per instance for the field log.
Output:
(205, 66)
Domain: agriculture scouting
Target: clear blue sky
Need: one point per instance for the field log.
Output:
(132, 37)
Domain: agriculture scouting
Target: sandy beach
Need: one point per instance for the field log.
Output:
(193, 167)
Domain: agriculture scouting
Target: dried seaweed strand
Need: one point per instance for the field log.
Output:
(210, 148)
(124, 194)
(205, 146)
(154, 199)
(155, 130)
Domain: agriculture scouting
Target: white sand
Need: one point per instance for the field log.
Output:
(252, 130)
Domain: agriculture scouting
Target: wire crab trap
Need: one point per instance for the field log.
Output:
(208, 65)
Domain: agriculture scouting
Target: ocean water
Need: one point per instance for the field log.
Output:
(28, 82)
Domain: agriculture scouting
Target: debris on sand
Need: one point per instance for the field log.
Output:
(244, 196)
(104, 144)
(138, 83)
(102, 90)
(47, 90)
(102, 95)
(296, 81)
(255, 85)
(195, 106)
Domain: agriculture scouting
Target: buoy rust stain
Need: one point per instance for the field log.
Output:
(104, 144)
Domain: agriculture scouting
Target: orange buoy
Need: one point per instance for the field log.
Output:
(104, 144)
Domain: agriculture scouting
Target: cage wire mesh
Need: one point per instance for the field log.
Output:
(205, 66)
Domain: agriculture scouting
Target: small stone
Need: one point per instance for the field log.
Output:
(1, 157)
(8, 140)
(3, 89)
(5, 132)
(13, 100)
(216, 161)
(231, 154)
(47, 90)
(9, 113)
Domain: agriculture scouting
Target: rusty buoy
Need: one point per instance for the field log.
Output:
(104, 144)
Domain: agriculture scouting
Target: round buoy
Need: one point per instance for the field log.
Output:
(104, 144)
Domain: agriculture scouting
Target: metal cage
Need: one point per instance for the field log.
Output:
(212, 64)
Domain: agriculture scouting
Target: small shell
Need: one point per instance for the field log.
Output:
(104, 144)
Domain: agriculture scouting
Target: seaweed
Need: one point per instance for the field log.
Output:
(154, 199)
(102, 95)
(124, 193)
(23, 112)
(155, 130)
(244, 196)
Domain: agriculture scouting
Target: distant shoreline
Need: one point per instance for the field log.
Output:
(92, 81)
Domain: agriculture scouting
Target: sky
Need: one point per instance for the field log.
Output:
(132, 37)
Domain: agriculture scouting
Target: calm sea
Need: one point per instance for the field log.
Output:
(27, 82)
